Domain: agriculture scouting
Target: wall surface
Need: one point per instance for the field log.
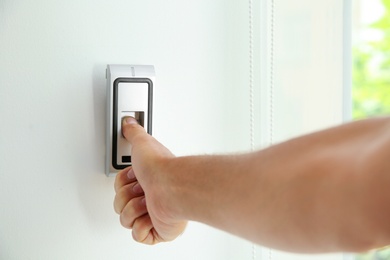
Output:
(56, 202)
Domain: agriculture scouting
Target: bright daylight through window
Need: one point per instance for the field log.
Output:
(371, 71)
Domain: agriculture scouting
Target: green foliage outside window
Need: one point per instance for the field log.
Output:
(371, 71)
(383, 254)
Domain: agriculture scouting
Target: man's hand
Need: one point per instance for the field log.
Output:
(141, 197)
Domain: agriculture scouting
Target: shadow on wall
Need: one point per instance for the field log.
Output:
(99, 105)
(95, 190)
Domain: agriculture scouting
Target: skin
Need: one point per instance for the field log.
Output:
(323, 192)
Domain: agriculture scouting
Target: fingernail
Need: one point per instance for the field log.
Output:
(137, 188)
(130, 120)
(130, 174)
(143, 201)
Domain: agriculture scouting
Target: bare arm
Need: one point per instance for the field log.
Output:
(324, 192)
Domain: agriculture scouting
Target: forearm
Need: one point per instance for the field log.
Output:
(309, 194)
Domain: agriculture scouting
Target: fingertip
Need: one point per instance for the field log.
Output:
(129, 120)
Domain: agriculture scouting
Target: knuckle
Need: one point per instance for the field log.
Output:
(117, 182)
(115, 204)
(127, 216)
(136, 236)
(125, 220)
(118, 203)
(121, 179)
(140, 231)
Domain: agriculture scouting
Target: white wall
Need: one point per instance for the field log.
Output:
(56, 202)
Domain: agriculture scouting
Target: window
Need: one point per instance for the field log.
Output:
(371, 70)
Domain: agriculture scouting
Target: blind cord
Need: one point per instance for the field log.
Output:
(271, 74)
(271, 85)
(251, 94)
(271, 89)
(251, 90)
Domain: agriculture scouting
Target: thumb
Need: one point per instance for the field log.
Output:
(131, 128)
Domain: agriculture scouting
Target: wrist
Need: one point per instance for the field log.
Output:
(171, 185)
(187, 186)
